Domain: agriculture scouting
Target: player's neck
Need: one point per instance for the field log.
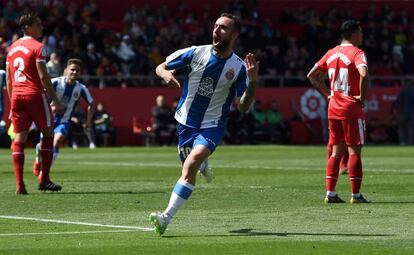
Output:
(345, 42)
(224, 53)
(29, 35)
(70, 82)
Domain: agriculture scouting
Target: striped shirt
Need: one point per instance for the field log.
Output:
(69, 96)
(209, 87)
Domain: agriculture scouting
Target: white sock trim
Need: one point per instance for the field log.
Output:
(186, 184)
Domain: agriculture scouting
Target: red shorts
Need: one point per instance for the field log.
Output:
(26, 109)
(352, 132)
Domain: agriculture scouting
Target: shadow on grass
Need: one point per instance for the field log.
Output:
(100, 193)
(252, 232)
(394, 202)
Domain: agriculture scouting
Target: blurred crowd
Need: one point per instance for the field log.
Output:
(147, 35)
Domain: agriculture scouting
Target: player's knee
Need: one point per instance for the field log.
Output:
(355, 149)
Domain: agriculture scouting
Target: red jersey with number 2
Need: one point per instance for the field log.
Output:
(342, 64)
(21, 58)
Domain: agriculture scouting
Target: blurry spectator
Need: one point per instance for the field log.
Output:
(392, 127)
(54, 67)
(126, 53)
(106, 68)
(91, 10)
(406, 106)
(91, 59)
(275, 123)
(376, 132)
(104, 132)
(163, 122)
(77, 135)
(10, 13)
(150, 34)
(259, 117)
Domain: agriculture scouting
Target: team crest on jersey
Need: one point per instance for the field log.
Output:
(206, 87)
(230, 74)
(76, 94)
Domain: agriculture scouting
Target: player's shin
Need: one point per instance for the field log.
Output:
(18, 163)
(46, 152)
(332, 172)
(182, 191)
(38, 158)
(355, 173)
(55, 153)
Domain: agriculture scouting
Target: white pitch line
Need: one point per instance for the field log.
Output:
(74, 223)
(69, 232)
(225, 166)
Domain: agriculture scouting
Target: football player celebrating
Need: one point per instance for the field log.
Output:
(216, 76)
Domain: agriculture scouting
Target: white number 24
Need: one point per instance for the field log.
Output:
(341, 82)
(19, 64)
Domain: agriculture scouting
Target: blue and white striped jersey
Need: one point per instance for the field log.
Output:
(209, 87)
(69, 96)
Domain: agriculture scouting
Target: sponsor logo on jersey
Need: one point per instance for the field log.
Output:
(206, 87)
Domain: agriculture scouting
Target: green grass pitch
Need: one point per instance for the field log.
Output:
(263, 200)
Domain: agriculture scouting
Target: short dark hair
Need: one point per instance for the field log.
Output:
(349, 27)
(27, 19)
(75, 61)
(236, 21)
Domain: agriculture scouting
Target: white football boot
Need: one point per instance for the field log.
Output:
(206, 172)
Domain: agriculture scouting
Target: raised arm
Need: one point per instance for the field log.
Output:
(252, 70)
(167, 76)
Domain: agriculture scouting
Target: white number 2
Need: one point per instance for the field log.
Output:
(341, 82)
(19, 64)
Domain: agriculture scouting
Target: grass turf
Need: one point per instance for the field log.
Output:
(263, 200)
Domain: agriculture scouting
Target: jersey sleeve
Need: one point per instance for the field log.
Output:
(40, 54)
(241, 82)
(180, 58)
(86, 95)
(322, 62)
(54, 82)
(360, 59)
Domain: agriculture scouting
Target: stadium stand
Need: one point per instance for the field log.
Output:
(121, 44)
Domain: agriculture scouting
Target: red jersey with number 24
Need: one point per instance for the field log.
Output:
(21, 58)
(342, 64)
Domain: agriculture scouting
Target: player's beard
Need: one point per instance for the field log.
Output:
(222, 45)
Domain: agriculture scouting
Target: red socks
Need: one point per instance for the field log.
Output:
(332, 172)
(18, 163)
(46, 152)
(355, 172)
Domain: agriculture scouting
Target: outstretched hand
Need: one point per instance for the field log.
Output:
(252, 67)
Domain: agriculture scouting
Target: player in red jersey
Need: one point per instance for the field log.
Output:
(27, 79)
(347, 69)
